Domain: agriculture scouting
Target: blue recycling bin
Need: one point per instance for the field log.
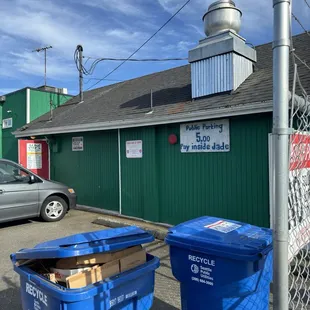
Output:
(130, 290)
(221, 264)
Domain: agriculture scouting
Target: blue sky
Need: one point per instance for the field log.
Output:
(110, 28)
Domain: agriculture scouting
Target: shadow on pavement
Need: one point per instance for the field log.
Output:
(10, 297)
(161, 305)
(155, 247)
(18, 222)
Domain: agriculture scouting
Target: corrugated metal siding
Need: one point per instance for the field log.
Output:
(40, 102)
(167, 185)
(175, 186)
(231, 185)
(139, 175)
(219, 74)
(212, 75)
(243, 68)
(93, 173)
(15, 102)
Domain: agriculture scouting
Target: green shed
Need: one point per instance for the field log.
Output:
(20, 108)
(172, 145)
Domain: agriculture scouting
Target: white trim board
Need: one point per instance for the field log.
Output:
(28, 107)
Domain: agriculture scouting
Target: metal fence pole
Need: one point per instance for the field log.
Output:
(281, 52)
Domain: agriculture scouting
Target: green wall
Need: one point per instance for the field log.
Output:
(16, 103)
(93, 173)
(40, 102)
(141, 176)
(169, 186)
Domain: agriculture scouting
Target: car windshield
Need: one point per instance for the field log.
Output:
(10, 173)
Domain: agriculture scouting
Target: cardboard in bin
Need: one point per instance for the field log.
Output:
(99, 273)
(132, 261)
(93, 259)
(51, 277)
(95, 274)
(111, 250)
(137, 286)
(61, 275)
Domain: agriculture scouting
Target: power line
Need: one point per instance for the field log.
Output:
(39, 82)
(294, 57)
(137, 50)
(93, 66)
(307, 3)
(110, 80)
(301, 25)
(133, 59)
(304, 92)
(302, 61)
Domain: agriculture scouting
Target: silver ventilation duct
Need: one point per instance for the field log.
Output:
(222, 16)
(222, 61)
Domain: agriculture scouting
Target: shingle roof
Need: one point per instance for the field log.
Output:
(130, 100)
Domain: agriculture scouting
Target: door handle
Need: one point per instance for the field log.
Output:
(1, 191)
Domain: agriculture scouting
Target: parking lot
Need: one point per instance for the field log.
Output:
(26, 234)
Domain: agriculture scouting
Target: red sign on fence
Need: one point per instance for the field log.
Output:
(299, 194)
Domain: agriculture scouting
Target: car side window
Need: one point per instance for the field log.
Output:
(10, 174)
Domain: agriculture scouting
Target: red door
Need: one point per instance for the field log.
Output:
(34, 155)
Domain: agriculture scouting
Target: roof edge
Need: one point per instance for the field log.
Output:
(52, 92)
(40, 90)
(254, 108)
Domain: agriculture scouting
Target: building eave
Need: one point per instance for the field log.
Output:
(254, 108)
(40, 90)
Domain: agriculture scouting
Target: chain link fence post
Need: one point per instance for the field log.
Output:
(281, 54)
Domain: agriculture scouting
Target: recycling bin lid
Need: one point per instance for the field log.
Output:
(87, 243)
(224, 238)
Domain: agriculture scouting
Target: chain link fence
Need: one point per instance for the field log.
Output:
(299, 198)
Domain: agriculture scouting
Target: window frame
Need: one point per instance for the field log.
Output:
(13, 167)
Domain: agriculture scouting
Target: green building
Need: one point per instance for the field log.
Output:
(176, 144)
(20, 108)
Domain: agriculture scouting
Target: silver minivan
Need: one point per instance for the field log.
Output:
(24, 194)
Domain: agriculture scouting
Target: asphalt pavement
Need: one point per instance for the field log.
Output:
(26, 234)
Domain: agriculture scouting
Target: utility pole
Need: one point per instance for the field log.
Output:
(40, 50)
(281, 132)
(80, 50)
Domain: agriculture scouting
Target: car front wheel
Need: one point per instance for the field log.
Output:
(53, 209)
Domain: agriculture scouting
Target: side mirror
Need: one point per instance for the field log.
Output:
(32, 179)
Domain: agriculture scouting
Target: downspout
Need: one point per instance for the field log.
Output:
(28, 108)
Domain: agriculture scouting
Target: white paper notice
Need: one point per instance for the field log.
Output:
(134, 149)
(34, 156)
(223, 226)
(77, 144)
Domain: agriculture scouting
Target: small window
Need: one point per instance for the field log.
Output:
(12, 174)
(7, 123)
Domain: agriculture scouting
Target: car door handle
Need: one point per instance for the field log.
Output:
(1, 191)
